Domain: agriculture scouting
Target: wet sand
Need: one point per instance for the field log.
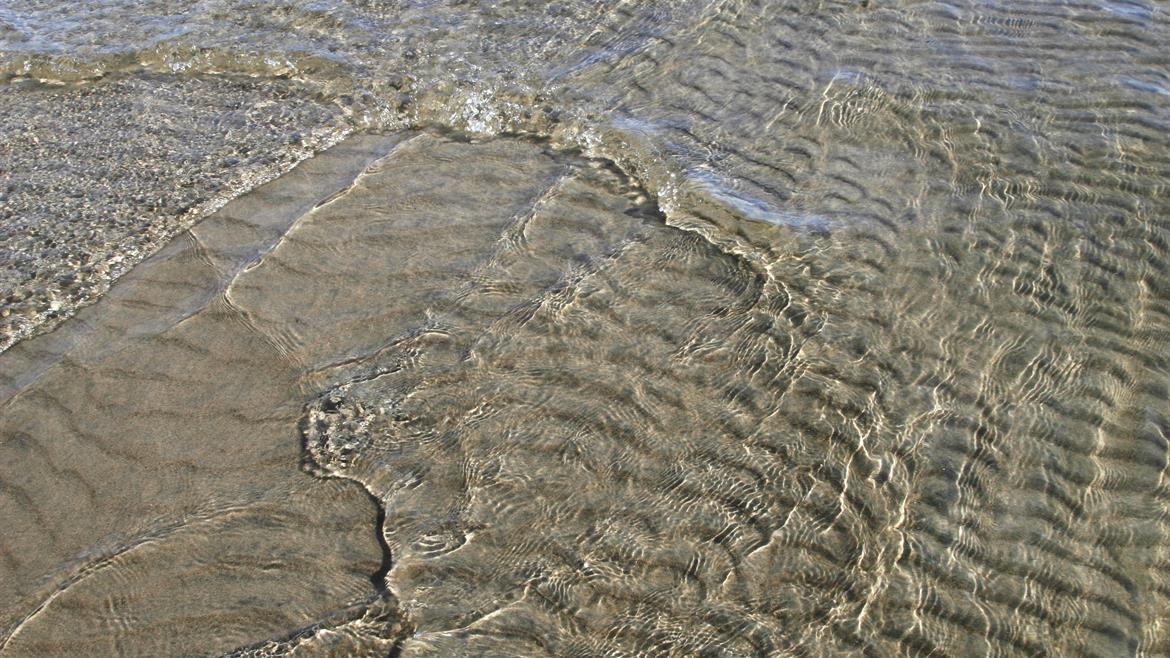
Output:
(647, 328)
(163, 501)
(453, 397)
(154, 503)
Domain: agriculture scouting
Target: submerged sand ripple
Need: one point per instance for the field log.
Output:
(151, 495)
(589, 429)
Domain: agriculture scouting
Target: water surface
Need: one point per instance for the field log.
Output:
(637, 328)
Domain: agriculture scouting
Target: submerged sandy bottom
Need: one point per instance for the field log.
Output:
(158, 497)
(154, 504)
(484, 398)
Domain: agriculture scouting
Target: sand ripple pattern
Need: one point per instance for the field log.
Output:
(592, 428)
(608, 436)
(672, 328)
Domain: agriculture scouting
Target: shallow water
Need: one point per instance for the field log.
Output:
(691, 328)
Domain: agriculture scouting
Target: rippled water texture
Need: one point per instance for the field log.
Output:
(582, 329)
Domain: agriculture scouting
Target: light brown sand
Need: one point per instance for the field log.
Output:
(153, 503)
